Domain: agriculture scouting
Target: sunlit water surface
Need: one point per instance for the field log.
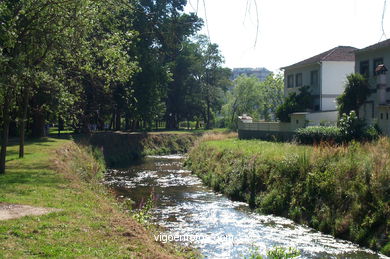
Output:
(217, 226)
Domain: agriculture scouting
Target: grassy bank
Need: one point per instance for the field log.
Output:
(124, 148)
(342, 190)
(59, 174)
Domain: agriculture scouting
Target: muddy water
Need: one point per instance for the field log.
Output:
(195, 215)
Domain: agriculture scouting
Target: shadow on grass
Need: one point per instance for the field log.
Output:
(28, 176)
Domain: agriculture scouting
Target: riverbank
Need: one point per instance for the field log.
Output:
(343, 191)
(122, 148)
(57, 173)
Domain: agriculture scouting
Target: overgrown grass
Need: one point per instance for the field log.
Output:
(341, 190)
(90, 224)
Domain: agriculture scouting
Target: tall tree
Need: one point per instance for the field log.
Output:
(355, 94)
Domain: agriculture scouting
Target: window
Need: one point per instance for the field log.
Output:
(365, 68)
(290, 81)
(377, 62)
(314, 78)
(298, 80)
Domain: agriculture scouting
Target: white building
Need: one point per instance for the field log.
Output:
(325, 73)
(260, 72)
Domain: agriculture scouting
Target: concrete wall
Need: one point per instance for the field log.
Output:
(306, 70)
(264, 126)
(284, 130)
(334, 75)
(316, 118)
(384, 119)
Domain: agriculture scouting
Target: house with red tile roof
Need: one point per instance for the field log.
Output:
(325, 73)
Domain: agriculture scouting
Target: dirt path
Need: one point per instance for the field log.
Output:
(14, 211)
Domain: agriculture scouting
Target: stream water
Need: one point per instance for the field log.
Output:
(194, 215)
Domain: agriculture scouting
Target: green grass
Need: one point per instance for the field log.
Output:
(185, 131)
(54, 131)
(90, 223)
(266, 149)
(340, 190)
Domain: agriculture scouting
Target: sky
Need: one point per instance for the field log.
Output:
(289, 30)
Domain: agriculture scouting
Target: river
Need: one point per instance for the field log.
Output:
(194, 215)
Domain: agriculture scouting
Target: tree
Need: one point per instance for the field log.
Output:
(272, 93)
(250, 96)
(213, 78)
(51, 47)
(29, 31)
(355, 94)
(300, 102)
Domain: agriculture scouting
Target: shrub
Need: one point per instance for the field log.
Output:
(350, 127)
(356, 92)
(317, 134)
(354, 128)
(295, 103)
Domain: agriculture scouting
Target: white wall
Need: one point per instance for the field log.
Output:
(328, 103)
(334, 76)
(317, 118)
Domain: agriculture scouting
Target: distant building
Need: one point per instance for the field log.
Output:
(260, 72)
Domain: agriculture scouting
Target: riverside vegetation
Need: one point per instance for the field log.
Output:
(341, 190)
(57, 173)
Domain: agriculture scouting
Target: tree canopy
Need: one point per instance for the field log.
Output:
(116, 64)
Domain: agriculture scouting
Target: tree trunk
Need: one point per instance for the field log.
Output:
(118, 120)
(22, 122)
(38, 127)
(127, 123)
(6, 121)
(208, 122)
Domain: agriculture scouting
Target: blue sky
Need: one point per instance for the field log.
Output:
(289, 30)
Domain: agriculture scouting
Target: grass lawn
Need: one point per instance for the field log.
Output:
(91, 224)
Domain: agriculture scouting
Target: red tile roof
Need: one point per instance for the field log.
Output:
(340, 53)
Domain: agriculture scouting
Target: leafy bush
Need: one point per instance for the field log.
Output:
(354, 128)
(317, 134)
(356, 92)
(350, 127)
(295, 103)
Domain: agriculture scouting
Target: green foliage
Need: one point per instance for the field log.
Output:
(305, 182)
(318, 134)
(300, 102)
(355, 93)
(283, 253)
(252, 97)
(350, 127)
(143, 214)
(274, 253)
(353, 128)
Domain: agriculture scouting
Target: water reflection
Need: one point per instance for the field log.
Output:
(219, 227)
